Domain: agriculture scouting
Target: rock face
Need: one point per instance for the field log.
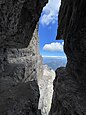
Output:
(19, 92)
(69, 96)
(18, 19)
(46, 89)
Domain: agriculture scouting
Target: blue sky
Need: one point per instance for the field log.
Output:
(48, 25)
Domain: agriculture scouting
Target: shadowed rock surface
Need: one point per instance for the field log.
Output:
(17, 99)
(69, 96)
(19, 92)
(18, 19)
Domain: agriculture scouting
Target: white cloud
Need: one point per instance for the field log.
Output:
(54, 46)
(57, 57)
(50, 12)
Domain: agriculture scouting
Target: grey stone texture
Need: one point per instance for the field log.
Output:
(19, 91)
(18, 19)
(69, 96)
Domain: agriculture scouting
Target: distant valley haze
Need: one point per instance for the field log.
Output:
(55, 62)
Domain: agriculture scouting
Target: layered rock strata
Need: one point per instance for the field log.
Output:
(69, 96)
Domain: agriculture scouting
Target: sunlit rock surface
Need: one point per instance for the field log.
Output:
(46, 89)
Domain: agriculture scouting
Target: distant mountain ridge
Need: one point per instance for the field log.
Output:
(55, 62)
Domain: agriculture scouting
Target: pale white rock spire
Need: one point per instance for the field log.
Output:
(46, 90)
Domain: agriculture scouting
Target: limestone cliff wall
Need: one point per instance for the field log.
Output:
(27, 58)
(18, 82)
(69, 96)
(46, 89)
(19, 92)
